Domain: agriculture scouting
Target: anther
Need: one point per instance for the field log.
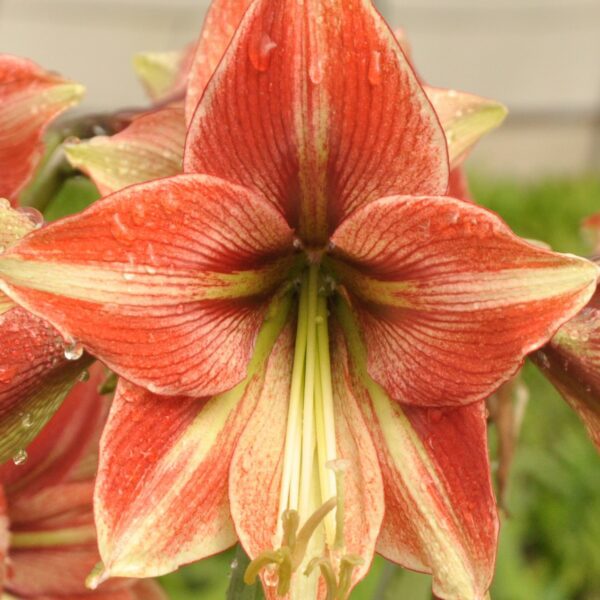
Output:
(347, 565)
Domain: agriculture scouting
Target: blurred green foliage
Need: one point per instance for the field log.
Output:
(550, 544)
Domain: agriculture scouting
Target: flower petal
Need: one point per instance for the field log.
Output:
(449, 299)
(459, 185)
(465, 118)
(150, 148)
(221, 21)
(440, 513)
(331, 118)
(571, 361)
(169, 460)
(142, 590)
(29, 99)
(164, 75)
(62, 442)
(166, 282)
(35, 377)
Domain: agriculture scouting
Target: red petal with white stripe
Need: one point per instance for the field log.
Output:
(449, 300)
(331, 118)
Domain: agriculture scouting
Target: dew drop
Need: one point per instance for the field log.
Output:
(544, 361)
(33, 215)
(260, 53)
(375, 68)
(27, 421)
(84, 376)
(73, 351)
(128, 276)
(315, 71)
(20, 457)
(119, 230)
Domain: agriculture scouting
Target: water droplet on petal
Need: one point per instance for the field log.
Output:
(73, 351)
(33, 215)
(27, 421)
(84, 376)
(119, 229)
(20, 457)
(315, 71)
(375, 68)
(260, 52)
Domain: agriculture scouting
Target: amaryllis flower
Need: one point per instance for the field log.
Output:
(47, 526)
(29, 99)
(305, 324)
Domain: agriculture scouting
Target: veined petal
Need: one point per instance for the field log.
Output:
(29, 99)
(164, 75)
(169, 458)
(62, 442)
(449, 300)
(150, 148)
(35, 377)
(440, 512)
(571, 361)
(166, 282)
(331, 118)
(221, 21)
(465, 118)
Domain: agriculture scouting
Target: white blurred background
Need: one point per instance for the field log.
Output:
(540, 57)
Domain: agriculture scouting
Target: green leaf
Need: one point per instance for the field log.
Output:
(238, 590)
(75, 194)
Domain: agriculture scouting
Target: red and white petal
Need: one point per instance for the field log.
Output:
(465, 118)
(440, 509)
(62, 443)
(440, 512)
(161, 498)
(256, 471)
(29, 99)
(332, 116)
(449, 300)
(164, 75)
(35, 377)
(166, 282)
(571, 361)
(222, 20)
(150, 148)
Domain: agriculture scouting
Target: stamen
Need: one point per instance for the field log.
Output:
(308, 529)
(328, 573)
(268, 557)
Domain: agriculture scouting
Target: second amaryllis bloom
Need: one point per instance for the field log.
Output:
(305, 324)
